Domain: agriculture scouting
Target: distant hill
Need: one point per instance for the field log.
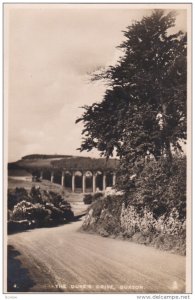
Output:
(34, 162)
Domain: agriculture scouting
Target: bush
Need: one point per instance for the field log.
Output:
(56, 214)
(161, 187)
(17, 196)
(97, 195)
(15, 226)
(31, 212)
(55, 198)
(35, 194)
(104, 216)
(21, 211)
(87, 199)
(64, 205)
(40, 208)
(68, 215)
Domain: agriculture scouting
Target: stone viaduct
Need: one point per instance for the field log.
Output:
(80, 174)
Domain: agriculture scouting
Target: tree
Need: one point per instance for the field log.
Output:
(143, 111)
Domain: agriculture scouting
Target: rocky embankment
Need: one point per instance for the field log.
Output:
(109, 217)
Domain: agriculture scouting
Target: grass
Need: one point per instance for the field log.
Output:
(45, 185)
(18, 172)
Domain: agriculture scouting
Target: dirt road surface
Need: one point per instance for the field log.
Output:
(63, 259)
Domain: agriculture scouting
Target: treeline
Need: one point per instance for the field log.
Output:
(44, 156)
(87, 163)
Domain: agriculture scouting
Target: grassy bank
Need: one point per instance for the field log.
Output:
(44, 184)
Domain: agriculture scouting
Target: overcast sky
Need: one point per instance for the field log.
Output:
(51, 50)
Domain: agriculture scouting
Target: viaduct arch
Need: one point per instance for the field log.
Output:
(80, 174)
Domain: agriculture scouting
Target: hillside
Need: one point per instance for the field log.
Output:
(41, 161)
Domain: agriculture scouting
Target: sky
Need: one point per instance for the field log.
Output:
(51, 50)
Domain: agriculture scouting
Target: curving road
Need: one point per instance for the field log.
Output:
(63, 259)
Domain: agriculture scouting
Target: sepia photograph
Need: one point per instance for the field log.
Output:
(97, 148)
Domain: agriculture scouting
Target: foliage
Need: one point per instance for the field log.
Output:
(161, 187)
(104, 216)
(110, 217)
(55, 198)
(68, 215)
(86, 163)
(143, 111)
(132, 221)
(15, 226)
(97, 195)
(154, 213)
(87, 199)
(28, 211)
(167, 232)
(16, 196)
(37, 209)
(35, 195)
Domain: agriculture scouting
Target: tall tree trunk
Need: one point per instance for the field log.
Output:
(167, 144)
(168, 151)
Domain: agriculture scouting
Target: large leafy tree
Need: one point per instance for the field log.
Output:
(143, 111)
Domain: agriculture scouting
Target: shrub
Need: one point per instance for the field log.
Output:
(31, 212)
(40, 208)
(64, 205)
(35, 194)
(56, 214)
(87, 199)
(17, 196)
(21, 211)
(104, 216)
(55, 198)
(97, 195)
(44, 197)
(39, 213)
(68, 214)
(15, 226)
(161, 187)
